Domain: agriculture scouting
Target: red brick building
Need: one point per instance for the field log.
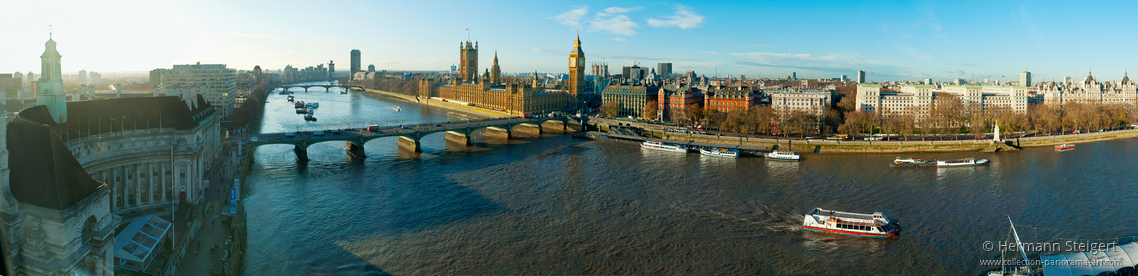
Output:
(674, 100)
(731, 98)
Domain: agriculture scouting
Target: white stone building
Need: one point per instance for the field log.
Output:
(54, 218)
(1090, 90)
(155, 151)
(220, 84)
(787, 99)
(870, 97)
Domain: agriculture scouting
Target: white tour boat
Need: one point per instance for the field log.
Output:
(657, 145)
(852, 224)
(718, 152)
(782, 155)
(961, 162)
(911, 162)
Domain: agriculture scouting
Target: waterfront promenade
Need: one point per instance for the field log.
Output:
(862, 146)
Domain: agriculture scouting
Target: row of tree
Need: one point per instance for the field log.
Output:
(404, 86)
(947, 115)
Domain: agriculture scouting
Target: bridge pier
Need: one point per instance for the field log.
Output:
(355, 149)
(458, 137)
(408, 143)
(508, 133)
(301, 153)
(533, 126)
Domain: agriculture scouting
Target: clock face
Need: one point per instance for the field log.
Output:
(572, 61)
(581, 62)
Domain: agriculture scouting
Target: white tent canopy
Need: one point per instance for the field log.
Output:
(1086, 263)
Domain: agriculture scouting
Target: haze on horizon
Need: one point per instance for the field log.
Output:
(767, 39)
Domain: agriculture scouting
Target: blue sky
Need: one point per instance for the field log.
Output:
(892, 39)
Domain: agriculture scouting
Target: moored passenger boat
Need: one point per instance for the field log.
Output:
(961, 162)
(1065, 147)
(718, 152)
(911, 162)
(874, 225)
(657, 145)
(783, 155)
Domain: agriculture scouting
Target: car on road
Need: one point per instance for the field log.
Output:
(404, 127)
(438, 125)
(318, 133)
(254, 138)
(290, 134)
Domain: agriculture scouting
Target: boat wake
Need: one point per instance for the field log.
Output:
(745, 218)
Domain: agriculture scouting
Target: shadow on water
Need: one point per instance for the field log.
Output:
(314, 206)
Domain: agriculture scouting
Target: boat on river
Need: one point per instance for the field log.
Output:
(1065, 147)
(312, 105)
(961, 162)
(718, 152)
(298, 104)
(783, 155)
(657, 145)
(874, 225)
(309, 118)
(911, 162)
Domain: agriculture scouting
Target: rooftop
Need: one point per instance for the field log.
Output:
(43, 171)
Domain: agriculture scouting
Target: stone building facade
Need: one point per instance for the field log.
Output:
(788, 99)
(54, 218)
(148, 156)
(632, 98)
(1090, 90)
(870, 97)
(516, 98)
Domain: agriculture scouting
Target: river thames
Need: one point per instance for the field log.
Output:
(553, 204)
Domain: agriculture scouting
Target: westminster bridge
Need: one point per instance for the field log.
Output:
(409, 135)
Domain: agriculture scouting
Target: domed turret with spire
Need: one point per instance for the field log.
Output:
(51, 93)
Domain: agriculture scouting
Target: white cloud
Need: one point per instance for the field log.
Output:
(620, 10)
(572, 18)
(618, 39)
(684, 19)
(613, 21)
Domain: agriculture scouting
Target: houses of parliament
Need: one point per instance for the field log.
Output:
(515, 97)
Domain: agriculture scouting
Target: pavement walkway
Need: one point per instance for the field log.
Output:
(207, 252)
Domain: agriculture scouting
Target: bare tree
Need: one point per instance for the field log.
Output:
(611, 109)
(650, 109)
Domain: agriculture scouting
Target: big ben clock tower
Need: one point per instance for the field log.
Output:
(576, 85)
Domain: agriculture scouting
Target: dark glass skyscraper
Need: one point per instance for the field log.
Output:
(355, 61)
